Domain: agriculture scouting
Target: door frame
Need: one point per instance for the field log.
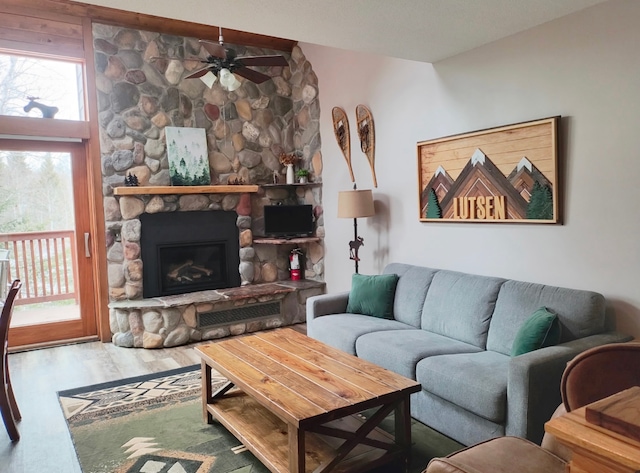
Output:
(86, 326)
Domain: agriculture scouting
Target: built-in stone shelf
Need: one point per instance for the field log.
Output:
(179, 190)
(170, 321)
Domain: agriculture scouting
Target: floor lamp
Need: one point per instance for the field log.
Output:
(355, 204)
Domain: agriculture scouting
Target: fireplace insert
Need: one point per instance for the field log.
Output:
(185, 252)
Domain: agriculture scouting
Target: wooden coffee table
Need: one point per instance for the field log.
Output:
(293, 400)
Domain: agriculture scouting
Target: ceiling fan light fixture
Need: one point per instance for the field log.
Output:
(209, 79)
(235, 83)
(225, 76)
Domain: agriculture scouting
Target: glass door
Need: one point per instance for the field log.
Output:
(45, 240)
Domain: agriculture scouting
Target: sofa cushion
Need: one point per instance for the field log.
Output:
(400, 350)
(540, 330)
(372, 295)
(342, 330)
(581, 313)
(410, 292)
(476, 382)
(460, 305)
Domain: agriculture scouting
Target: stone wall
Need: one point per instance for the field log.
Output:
(139, 95)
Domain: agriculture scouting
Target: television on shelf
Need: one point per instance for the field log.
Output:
(288, 221)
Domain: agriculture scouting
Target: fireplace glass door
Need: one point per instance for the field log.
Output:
(192, 267)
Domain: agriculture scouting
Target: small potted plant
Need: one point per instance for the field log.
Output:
(303, 175)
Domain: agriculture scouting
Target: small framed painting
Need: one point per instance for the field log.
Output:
(188, 157)
(504, 174)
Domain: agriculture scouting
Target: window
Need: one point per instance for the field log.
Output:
(28, 85)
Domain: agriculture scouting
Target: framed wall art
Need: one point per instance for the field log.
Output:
(504, 174)
(188, 157)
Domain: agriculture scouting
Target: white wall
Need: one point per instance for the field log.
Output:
(584, 67)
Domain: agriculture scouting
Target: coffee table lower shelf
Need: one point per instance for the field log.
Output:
(267, 437)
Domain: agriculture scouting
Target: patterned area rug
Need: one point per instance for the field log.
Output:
(153, 424)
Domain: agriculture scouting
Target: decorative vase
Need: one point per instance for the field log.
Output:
(291, 176)
(303, 179)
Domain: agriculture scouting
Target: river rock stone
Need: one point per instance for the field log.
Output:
(143, 173)
(116, 128)
(115, 254)
(152, 321)
(172, 318)
(155, 205)
(122, 160)
(193, 202)
(115, 275)
(246, 271)
(269, 272)
(133, 270)
(131, 250)
(174, 72)
(115, 68)
(152, 340)
(131, 230)
(246, 238)
(135, 77)
(178, 336)
(249, 158)
(124, 96)
(250, 131)
(123, 320)
(111, 209)
(124, 340)
(161, 178)
(154, 148)
(247, 254)
(189, 316)
(131, 207)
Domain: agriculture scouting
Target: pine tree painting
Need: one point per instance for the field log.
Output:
(187, 154)
(433, 206)
(541, 203)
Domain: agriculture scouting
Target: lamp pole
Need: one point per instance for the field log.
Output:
(355, 239)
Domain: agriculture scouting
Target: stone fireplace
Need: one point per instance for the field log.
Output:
(246, 131)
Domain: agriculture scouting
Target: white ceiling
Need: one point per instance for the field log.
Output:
(421, 30)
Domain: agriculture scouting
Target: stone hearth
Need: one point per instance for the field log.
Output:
(163, 322)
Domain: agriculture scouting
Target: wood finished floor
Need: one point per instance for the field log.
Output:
(45, 445)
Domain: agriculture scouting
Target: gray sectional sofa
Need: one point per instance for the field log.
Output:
(453, 333)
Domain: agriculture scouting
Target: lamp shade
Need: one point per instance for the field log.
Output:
(355, 204)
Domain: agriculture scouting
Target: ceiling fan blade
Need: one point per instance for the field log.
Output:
(214, 49)
(275, 60)
(198, 73)
(253, 76)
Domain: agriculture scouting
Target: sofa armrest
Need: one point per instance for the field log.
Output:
(326, 304)
(533, 385)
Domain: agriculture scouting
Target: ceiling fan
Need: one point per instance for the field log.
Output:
(221, 57)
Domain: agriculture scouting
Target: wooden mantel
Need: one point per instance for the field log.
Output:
(178, 190)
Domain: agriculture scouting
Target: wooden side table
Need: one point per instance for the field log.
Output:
(595, 449)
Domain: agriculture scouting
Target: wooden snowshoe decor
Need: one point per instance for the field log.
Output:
(366, 132)
(343, 136)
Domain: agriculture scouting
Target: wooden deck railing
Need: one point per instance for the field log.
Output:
(45, 262)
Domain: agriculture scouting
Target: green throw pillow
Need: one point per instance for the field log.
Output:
(541, 329)
(373, 295)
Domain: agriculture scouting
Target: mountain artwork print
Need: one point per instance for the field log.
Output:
(505, 174)
(188, 157)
